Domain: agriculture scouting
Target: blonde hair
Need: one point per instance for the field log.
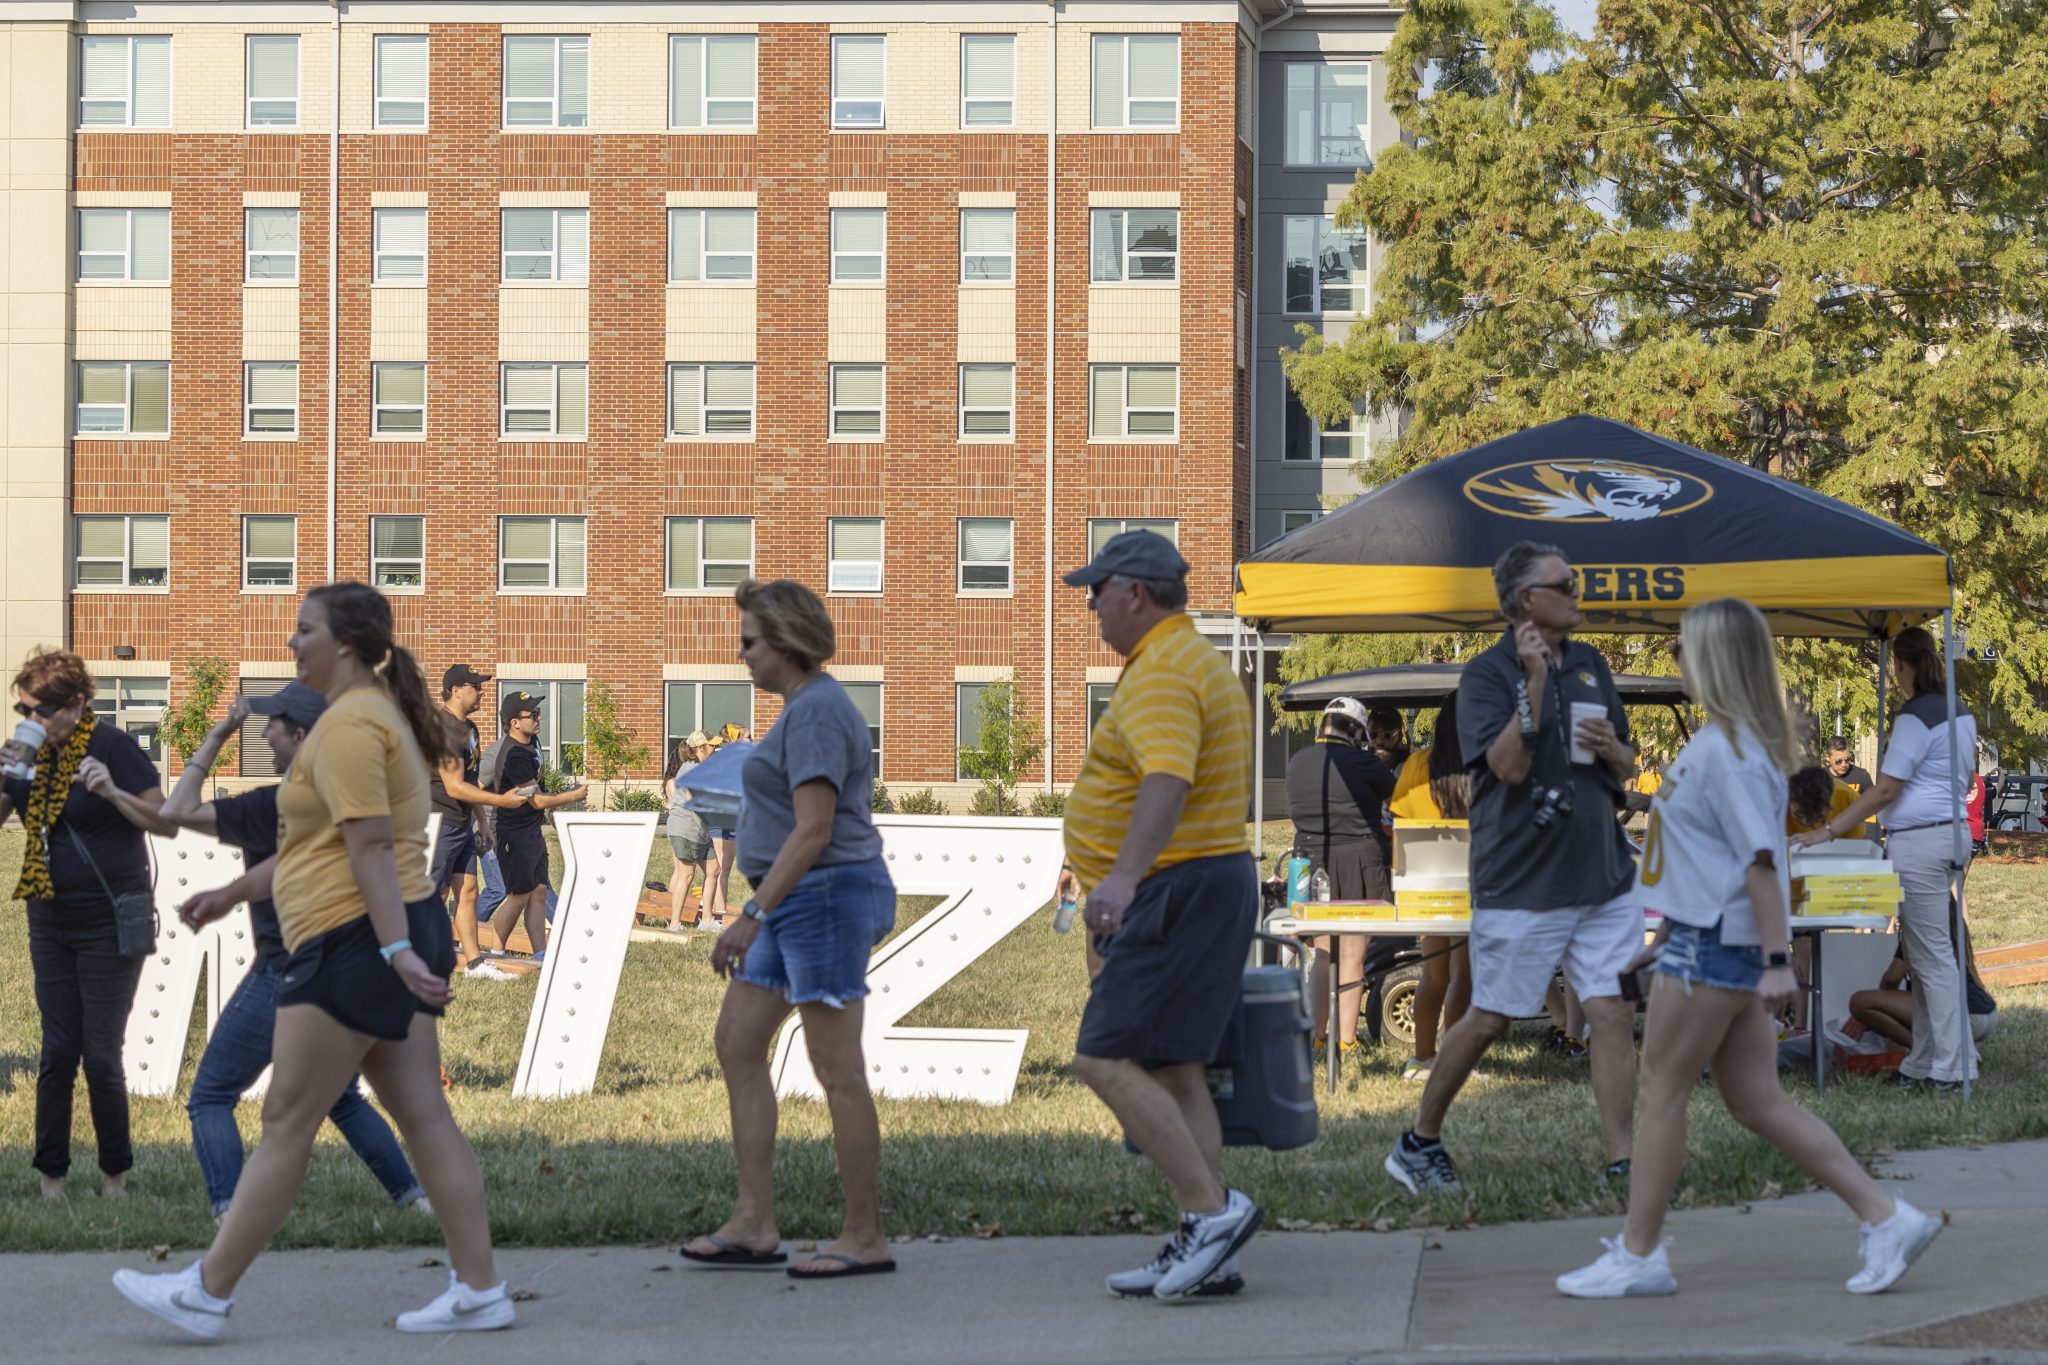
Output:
(1734, 674)
(791, 618)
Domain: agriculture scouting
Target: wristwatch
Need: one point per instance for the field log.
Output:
(753, 911)
(1777, 959)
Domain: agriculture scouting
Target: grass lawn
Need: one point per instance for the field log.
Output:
(645, 1157)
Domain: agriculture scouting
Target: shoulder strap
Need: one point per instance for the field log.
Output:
(86, 854)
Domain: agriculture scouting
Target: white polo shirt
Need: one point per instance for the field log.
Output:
(1716, 810)
(1917, 755)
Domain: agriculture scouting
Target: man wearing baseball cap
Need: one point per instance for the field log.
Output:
(513, 769)
(1155, 833)
(456, 794)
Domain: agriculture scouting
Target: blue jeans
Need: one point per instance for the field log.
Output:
(491, 894)
(235, 1056)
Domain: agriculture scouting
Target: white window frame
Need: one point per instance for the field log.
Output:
(1088, 705)
(250, 406)
(1100, 529)
(248, 560)
(880, 253)
(1125, 434)
(378, 255)
(554, 98)
(127, 560)
(1355, 430)
(1123, 40)
(696, 719)
(1125, 254)
(881, 102)
(379, 563)
(133, 43)
(1008, 280)
(250, 252)
(378, 407)
(704, 409)
(553, 252)
(1295, 518)
(127, 428)
(135, 706)
(1008, 102)
(1324, 227)
(127, 253)
(834, 582)
(554, 586)
(963, 563)
(249, 97)
(881, 409)
(1009, 432)
(555, 714)
(705, 253)
(554, 409)
(961, 692)
(881, 727)
(705, 99)
(1317, 137)
(378, 99)
(700, 587)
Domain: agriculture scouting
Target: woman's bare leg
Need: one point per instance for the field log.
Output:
(833, 1038)
(1682, 1032)
(746, 1026)
(407, 1080)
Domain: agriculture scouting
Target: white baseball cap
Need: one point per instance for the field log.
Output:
(1350, 708)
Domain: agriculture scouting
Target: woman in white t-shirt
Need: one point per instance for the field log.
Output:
(1713, 865)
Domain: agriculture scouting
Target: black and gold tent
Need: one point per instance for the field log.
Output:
(1652, 526)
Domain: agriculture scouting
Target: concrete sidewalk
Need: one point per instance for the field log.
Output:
(1763, 1282)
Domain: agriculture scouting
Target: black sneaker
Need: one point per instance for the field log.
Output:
(1422, 1167)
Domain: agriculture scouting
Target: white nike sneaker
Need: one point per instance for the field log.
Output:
(1890, 1248)
(461, 1309)
(178, 1298)
(1620, 1273)
(1205, 1243)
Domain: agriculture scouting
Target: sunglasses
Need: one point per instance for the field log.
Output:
(41, 709)
(1569, 587)
(747, 642)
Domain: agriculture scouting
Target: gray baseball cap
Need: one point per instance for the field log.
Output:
(1134, 554)
(296, 703)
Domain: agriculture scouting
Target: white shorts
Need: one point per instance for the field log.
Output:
(1516, 952)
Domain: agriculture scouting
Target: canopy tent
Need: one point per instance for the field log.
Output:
(1409, 687)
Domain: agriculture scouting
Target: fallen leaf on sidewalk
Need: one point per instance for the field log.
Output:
(164, 1253)
(430, 1262)
(937, 1237)
(1432, 1245)
(660, 1268)
(522, 1296)
(1382, 1225)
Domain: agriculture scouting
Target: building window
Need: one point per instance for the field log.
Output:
(273, 76)
(1326, 113)
(1247, 111)
(1325, 266)
(988, 246)
(857, 401)
(859, 239)
(401, 80)
(985, 553)
(398, 552)
(1133, 401)
(561, 719)
(398, 393)
(714, 246)
(969, 700)
(709, 552)
(399, 244)
(1290, 522)
(988, 80)
(547, 82)
(122, 552)
(270, 239)
(859, 76)
(1136, 246)
(258, 759)
(135, 707)
(1101, 529)
(711, 400)
(988, 401)
(1098, 702)
(124, 398)
(270, 552)
(705, 706)
(711, 80)
(544, 401)
(540, 554)
(270, 398)
(1303, 440)
(856, 553)
(545, 244)
(1136, 81)
(127, 245)
(124, 82)
(867, 697)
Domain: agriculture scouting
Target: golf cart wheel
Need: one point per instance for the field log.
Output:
(1395, 1014)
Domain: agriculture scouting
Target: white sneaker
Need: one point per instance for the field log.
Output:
(461, 1309)
(1890, 1247)
(1205, 1242)
(420, 1206)
(178, 1298)
(1139, 1283)
(482, 970)
(1620, 1273)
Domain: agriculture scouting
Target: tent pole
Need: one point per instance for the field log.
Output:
(1258, 746)
(1884, 670)
(1959, 849)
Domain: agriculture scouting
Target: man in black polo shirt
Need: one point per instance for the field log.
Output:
(512, 767)
(1551, 870)
(455, 791)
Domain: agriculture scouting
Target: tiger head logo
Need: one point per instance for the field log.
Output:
(1586, 491)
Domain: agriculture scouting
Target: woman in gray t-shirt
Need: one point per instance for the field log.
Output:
(822, 900)
(687, 837)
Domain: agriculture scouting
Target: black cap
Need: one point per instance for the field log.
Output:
(462, 675)
(518, 704)
(297, 704)
(1134, 554)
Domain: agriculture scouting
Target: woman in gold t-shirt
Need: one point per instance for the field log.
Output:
(1432, 786)
(371, 953)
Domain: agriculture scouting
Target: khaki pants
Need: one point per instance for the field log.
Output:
(1941, 1050)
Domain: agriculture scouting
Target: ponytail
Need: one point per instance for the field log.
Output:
(408, 688)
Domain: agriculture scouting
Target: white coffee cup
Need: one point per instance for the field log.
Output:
(1584, 710)
(29, 737)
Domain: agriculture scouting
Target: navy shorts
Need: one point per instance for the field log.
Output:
(1171, 988)
(815, 945)
(344, 973)
(454, 854)
(522, 860)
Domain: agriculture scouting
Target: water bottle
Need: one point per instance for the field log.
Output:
(1063, 918)
(1297, 866)
(1319, 886)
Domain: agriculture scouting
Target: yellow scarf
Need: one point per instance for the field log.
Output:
(46, 797)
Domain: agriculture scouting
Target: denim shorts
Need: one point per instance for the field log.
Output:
(1698, 957)
(815, 944)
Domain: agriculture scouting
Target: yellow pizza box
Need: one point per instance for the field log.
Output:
(1876, 885)
(1433, 904)
(1857, 905)
(1365, 910)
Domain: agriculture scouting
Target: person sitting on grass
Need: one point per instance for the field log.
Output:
(1887, 1009)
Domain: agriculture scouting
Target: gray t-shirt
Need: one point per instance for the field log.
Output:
(683, 823)
(1583, 858)
(819, 735)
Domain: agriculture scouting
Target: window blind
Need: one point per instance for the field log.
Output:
(684, 568)
(985, 540)
(857, 541)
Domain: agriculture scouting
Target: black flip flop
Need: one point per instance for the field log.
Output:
(732, 1256)
(853, 1267)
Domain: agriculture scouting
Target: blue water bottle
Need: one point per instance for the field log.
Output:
(1298, 865)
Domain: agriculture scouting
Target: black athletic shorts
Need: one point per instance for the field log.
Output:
(343, 972)
(454, 854)
(522, 860)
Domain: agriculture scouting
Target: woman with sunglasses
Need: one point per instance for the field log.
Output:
(80, 854)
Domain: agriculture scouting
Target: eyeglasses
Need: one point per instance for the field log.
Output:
(1567, 586)
(42, 709)
(747, 642)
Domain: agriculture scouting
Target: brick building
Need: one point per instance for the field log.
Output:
(557, 319)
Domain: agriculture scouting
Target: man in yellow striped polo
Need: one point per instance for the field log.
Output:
(1155, 832)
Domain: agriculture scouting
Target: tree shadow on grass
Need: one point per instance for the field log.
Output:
(18, 1071)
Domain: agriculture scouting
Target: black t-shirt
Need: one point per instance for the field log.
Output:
(119, 848)
(249, 822)
(1583, 858)
(522, 766)
(462, 740)
(1334, 793)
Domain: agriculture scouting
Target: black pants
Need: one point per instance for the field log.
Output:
(84, 989)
